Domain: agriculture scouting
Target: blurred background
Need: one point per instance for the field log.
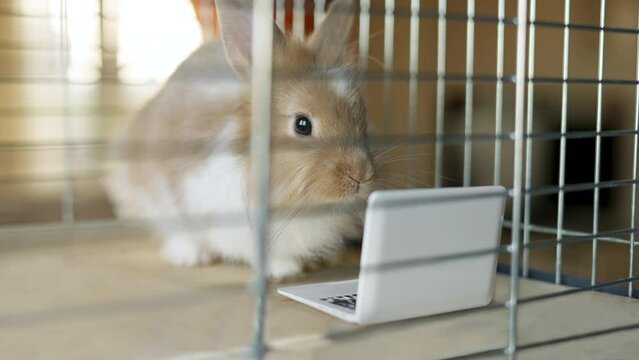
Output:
(70, 74)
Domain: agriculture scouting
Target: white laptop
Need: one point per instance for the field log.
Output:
(405, 230)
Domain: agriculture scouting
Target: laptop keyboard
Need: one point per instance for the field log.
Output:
(347, 301)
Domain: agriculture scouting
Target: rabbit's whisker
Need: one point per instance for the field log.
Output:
(395, 145)
(292, 214)
(407, 157)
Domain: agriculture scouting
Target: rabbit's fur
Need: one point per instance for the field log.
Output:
(182, 163)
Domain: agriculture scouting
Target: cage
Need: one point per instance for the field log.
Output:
(540, 96)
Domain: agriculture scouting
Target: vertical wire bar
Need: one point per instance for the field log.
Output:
(635, 172)
(468, 116)
(441, 92)
(517, 179)
(600, 73)
(107, 36)
(68, 194)
(499, 91)
(299, 15)
(413, 84)
(529, 129)
(106, 67)
(364, 38)
(280, 14)
(320, 10)
(562, 149)
(389, 47)
(260, 148)
(364, 34)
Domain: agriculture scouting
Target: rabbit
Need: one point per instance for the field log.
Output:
(206, 105)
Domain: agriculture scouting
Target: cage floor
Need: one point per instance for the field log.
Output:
(115, 299)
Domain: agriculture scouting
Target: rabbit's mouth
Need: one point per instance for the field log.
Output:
(360, 188)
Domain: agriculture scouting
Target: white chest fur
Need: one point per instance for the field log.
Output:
(218, 185)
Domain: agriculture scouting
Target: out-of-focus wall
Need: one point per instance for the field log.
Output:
(119, 60)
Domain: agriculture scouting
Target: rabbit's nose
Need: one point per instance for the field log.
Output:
(356, 181)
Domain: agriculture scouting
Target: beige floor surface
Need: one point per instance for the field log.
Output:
(115, 299)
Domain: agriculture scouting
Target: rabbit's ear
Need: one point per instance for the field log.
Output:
(236, 28)
(330, 41)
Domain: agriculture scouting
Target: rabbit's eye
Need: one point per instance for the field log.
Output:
(303, 125)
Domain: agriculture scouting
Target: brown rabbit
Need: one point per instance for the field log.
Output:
(184, 155)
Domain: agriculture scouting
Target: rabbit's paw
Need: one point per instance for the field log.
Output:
(284, 269)
(187, 253)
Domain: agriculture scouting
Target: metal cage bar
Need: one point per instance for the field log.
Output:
(441, 91)
(520, 104)
(499, 91)
(596, 195)
(413, 85)
(389, 56)
(470, 71)
(364, 34)
(260, 150)
(529, 142)
(562, 144)
(68, 194)
(635, 173)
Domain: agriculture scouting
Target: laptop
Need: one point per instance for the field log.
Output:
(408, 266)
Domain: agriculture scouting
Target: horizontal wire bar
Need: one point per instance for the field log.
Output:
(284, 75)
(77, 175)
(479, 354)
(46, 15)
(538, 191)
(585, 27)
(587, 81)
(53, 46)
(553, 231)
(186, 146)
(55, 80)
(73, 111)
(577, 239)
(399, 12)
(581, 134)
(370, 76)
(555, 189)
(402, 12)
(430, 14)
(554, 341)
(557, 294)
(374, 140)
(579, 336)
(381, 141)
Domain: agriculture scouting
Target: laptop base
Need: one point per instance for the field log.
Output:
(323, 296)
